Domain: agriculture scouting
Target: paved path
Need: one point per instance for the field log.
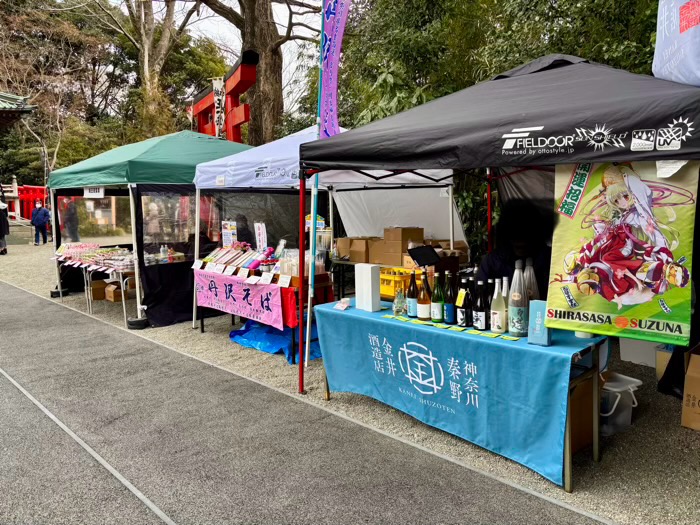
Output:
(201, 445)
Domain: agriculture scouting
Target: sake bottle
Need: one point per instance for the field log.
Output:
(463, 305)
(449, 314)
(412, 297)
(506, 297)
(518, 304)
(533, 293)
(423, 303)
(498, 310)
(437, 301)
(479, 308)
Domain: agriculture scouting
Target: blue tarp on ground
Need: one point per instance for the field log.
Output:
(268, 339)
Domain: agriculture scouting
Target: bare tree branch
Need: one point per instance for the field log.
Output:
(119, 27)
(299, 3)
(227, 12)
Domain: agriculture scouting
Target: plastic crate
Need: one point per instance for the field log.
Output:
(390, 279)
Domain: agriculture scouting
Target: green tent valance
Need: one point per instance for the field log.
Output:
(170, 159)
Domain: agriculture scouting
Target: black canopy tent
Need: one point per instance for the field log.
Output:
(558, 109)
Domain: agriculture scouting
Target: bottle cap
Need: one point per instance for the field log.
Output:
(528, 261)
(519, 264)
(490, 280)
(480, 282)
(498, 281)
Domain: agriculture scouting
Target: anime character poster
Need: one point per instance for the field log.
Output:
(622, 251)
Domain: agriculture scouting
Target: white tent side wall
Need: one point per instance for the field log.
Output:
(365, 213)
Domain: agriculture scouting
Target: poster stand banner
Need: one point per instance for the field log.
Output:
(231, 294)
(622, 251)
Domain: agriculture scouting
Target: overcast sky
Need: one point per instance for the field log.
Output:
(229, 37)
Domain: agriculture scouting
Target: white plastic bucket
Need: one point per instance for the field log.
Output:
(617, 402)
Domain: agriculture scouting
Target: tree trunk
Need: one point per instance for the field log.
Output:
(266, 102)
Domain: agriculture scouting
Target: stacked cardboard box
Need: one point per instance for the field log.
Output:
(690, 417)
(113, 293)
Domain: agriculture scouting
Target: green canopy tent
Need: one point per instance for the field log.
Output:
(167, 160)
(170, 159)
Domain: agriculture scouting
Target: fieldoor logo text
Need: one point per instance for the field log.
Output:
(518, 133)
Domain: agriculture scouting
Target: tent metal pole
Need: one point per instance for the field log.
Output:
(137, 270)
(302, 249)
(312, 267)
(450, 193)
(55, 225)
(490, 211)
(197, 208)
(331, 212)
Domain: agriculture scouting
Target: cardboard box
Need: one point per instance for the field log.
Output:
(408, 262)
(663, 356)
(404, 234)
(342, 245)
(359, 249)
(113, 293)
(376, 250)
(690, 416)
(98, 290)
(538, 333)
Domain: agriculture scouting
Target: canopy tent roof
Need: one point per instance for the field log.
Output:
(276, 165)
(272, 165)
(557, 109)
(169, 159)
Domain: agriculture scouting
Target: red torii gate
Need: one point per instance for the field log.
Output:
(238, 80)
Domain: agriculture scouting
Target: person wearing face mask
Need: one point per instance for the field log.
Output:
(40, 218)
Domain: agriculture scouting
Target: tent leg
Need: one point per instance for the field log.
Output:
(197, 208)
(450, 191)
(55, 226)
(137, 258)
(490, 211)
(312, 267)
(302, 249)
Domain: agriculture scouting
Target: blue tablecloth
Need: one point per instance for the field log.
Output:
(506, 396)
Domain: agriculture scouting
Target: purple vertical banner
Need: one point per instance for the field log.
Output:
(335, 14)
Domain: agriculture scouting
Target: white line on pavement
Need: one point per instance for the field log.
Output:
(152, 506)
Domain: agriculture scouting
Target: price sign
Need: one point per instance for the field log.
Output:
(243, 272)
(284, 281)
(197, 264)
(253, 279)
(266, 278)
(229, 270)
(94, 192)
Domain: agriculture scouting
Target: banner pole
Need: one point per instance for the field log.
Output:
(314, 204)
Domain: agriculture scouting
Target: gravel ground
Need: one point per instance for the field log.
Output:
(648, 475)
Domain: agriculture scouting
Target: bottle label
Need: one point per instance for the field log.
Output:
(423, 311)
(460, 297)
(436, 311)
(497, 321)
(412, 307)
(517, 319)
(461, 317)
(516, 296)
(480, 320)
(449, 314)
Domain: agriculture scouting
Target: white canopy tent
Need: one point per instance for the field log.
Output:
(364, 213)
(367, 200)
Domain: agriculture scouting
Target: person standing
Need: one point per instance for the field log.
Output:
(4, 228)
(40, 218)
(70, 220)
